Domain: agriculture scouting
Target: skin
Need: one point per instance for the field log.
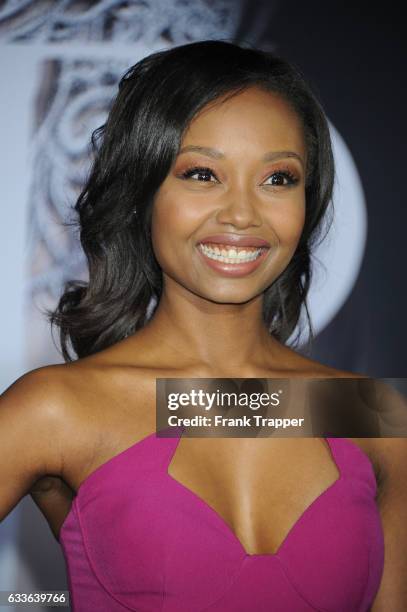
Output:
(240, 200)
(105, 403)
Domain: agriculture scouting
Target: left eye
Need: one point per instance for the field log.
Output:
(281, 179)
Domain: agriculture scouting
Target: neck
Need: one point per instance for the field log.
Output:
(217, 338)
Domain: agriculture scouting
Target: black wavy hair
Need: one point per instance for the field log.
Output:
(133, 153)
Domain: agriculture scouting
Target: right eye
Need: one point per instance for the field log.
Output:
(204, 174)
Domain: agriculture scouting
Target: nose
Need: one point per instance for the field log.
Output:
(239, 208)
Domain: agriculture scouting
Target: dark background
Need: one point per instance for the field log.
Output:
(354, 56)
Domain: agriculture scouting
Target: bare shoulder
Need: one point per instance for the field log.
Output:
(74, 416)
(42, 398)
(36, 398)
(37, 388)
(108, 407)
(307, 367)
(31, 413)
(387, 455)
(60, 422)
(43, 412)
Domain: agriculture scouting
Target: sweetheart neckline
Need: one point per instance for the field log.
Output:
(206, 506)
(219, 518)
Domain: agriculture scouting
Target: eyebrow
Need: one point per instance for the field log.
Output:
(210, 152)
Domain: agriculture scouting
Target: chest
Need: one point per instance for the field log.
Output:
(260, 488)
(201, 521)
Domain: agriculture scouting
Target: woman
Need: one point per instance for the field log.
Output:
(208, 190)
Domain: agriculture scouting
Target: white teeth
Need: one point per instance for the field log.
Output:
(230, 256)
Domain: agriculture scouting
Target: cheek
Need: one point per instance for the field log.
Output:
(161, 231)
(287, 221)
(177, 214)
(172, 223)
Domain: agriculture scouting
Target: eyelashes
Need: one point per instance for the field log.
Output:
(200, 170)
(282, 177)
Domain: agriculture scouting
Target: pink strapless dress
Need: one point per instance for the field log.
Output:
(137, 539)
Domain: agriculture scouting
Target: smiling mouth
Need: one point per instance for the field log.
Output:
(231, 255)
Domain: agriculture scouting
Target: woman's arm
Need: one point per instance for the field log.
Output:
(29, 434)
(392, 500)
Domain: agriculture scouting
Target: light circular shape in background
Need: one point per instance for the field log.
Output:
(341, 252)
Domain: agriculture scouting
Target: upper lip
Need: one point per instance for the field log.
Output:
(235, 240)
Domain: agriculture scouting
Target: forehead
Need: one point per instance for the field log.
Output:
(251, 118)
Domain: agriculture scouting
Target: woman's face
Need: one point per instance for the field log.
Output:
(228, 217)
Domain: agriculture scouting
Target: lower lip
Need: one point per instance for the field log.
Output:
(234, 270)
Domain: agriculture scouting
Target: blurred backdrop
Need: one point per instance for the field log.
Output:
(60, 62)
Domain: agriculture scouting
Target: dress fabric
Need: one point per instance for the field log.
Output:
(137, 539)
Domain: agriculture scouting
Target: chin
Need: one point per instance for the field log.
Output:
(229, 297)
